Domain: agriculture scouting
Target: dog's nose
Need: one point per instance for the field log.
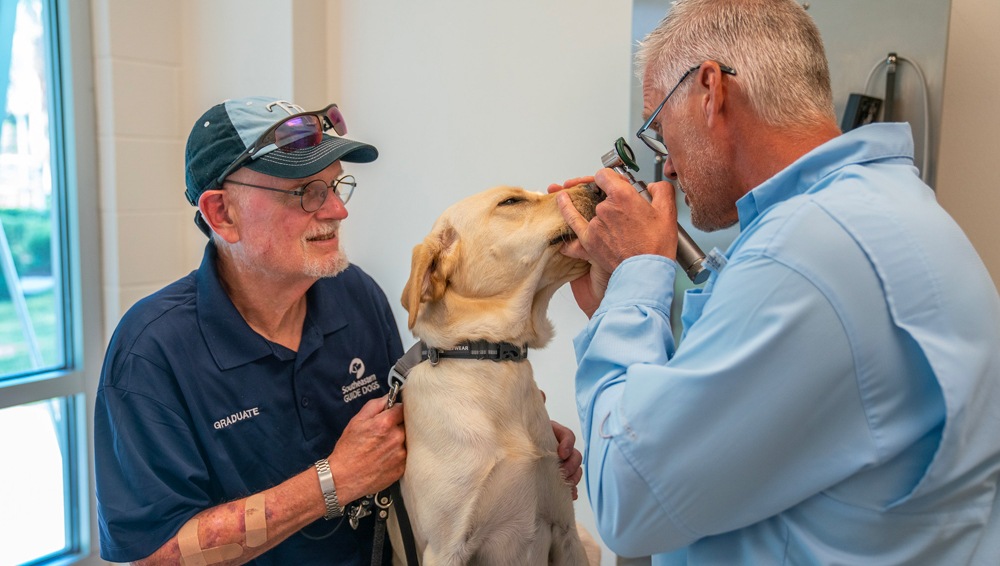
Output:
(596, 193)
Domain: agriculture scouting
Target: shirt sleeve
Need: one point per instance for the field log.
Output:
(758, 409)
(151, 476)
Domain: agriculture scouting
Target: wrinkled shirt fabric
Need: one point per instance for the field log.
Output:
(835, 397)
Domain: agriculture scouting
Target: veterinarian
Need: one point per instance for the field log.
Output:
(242, 405)
(835, 398)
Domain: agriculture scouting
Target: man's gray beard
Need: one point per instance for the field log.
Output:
(314, 268)
(704, 222)
(328, 268)
(704, 216)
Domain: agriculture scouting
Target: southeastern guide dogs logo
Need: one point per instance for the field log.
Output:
(361, 385)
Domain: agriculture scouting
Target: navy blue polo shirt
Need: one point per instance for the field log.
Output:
(195, 409)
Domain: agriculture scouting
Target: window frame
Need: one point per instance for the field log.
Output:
(74, 168)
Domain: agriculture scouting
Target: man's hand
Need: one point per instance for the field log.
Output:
(570, 456)
(371, 452)
(588, 289)
(570, 183)
(625, 226)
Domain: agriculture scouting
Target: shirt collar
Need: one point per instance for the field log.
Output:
(321, 307)
(230, 339)
(874, 142)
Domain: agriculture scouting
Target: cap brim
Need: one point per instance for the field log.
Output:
(307, 162)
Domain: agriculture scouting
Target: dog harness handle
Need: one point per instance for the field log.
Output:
(401, 370)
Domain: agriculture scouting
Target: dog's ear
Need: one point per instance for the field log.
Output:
(433, 262)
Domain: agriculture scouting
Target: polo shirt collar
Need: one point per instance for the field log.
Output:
(322, 316)
(321, 309)
(231, 341)
(874, 142)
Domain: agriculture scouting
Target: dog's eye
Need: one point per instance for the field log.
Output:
(510, 201)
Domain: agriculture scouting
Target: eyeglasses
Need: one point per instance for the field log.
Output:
(312, 195)
(650, 137)
(298, 131)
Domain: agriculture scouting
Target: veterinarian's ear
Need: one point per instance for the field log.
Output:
(433, 262)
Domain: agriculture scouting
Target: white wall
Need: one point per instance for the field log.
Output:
(970, 129)
(158, 66)
(463, 96)
(230, 49)
(458, 97)
(137, 58)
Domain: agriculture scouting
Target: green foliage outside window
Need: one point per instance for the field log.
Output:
(29, 233)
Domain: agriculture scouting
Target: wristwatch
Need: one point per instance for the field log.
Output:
(333, 508)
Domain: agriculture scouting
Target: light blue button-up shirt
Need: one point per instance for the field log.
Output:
(836, 396)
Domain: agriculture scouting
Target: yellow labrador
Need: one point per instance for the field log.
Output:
(483, 484)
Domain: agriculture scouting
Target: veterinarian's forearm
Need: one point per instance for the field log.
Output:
(288, 506)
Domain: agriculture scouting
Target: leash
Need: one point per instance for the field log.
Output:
(393, 496)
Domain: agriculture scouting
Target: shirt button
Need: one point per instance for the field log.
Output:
(305, 401)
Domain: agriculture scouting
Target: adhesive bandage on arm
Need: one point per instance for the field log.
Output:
(255, 524)
(254, 515)
(192, 553)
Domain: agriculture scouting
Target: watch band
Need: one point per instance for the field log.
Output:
(333, 508)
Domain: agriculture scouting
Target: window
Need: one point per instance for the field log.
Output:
(34, 485)
(44, 371)
(31, 320)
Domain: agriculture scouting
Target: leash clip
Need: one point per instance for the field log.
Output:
(360, 510)
(396, 382)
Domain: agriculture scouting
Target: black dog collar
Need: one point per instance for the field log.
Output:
(478, 350)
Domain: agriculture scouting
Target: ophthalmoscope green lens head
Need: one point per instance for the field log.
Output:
(620, 156)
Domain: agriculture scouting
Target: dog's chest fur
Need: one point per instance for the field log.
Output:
(481, 448)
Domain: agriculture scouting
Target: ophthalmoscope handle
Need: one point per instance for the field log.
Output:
(689, 255)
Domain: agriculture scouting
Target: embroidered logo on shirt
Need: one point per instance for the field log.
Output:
(357, 368)
(247, 414)
(361, 385)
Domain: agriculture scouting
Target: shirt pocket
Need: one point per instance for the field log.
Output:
(694, 304)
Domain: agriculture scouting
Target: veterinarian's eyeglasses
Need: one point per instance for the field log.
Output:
(312, 195)
(298, 131)
(650, 137)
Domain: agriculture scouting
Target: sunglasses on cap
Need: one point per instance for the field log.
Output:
(298, 131)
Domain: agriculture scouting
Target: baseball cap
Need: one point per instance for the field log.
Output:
(227, 129)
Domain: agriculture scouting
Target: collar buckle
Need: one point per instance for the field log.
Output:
(509, 352)
(432, 355)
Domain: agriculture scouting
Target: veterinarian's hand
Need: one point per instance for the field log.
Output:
(570, 456)
(371, 452)
(554, 187)
(625, 226)
(589, 288)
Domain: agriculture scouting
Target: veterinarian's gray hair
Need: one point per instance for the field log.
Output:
(773, 45)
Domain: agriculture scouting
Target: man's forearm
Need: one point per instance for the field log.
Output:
(288, 507)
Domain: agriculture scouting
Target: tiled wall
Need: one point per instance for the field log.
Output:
(159, 64)
(137, 59)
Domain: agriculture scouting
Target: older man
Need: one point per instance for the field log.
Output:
(836, 396)
(221, 391)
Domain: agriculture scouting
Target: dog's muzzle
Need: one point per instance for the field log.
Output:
(586, 199)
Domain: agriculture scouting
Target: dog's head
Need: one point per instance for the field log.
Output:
(490, 266)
